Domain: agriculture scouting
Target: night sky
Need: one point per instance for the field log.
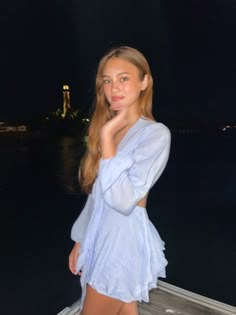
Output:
(190, 45)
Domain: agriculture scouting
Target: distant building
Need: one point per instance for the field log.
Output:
(66, 100)
(5, 128)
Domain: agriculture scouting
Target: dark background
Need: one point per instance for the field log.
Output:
(190, 46)
(192, 206)
(191, 49)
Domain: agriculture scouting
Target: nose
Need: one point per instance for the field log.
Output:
(115, 85)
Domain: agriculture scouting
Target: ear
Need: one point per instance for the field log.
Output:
(144, 83)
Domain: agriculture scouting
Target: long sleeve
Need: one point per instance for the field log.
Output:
(80, 225)
(126, 178)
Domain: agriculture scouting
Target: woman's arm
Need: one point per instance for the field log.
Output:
(80, 225)
(124, 179)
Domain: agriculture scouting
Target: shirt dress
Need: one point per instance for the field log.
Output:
(121, 252)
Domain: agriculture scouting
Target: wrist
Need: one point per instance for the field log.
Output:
(108, 148)
(106, 135)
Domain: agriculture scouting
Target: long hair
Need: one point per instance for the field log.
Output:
(102, 112)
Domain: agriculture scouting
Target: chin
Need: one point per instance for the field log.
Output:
(116, 108)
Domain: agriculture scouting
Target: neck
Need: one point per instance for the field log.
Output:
(133, 121)
(133, 116)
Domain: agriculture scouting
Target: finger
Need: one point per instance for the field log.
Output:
(71, 264)
(74, 268)
(74, 263)
(73, 258)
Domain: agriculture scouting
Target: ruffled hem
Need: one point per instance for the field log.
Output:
(141, 296)
(124, 266)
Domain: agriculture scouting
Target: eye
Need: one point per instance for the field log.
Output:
(106, 81)
(123, 79)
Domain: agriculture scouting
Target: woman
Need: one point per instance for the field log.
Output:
(118, 253)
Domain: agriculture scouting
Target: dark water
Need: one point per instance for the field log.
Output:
(193, 207)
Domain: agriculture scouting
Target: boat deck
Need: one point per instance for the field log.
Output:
(168, 299)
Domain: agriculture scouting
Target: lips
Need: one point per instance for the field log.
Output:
(116, 98)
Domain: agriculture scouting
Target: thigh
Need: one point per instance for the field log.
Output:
(129, 309)
(99, 304)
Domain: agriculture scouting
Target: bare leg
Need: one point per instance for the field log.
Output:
(129, 309)
(99, 304)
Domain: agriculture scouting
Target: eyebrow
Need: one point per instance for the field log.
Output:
(106, 75)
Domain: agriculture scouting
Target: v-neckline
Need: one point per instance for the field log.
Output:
(128, 132)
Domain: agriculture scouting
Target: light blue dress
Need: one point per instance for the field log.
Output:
(121, 253)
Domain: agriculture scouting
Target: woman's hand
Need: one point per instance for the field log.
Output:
(73, 258)
(110, 130)
(116, 124)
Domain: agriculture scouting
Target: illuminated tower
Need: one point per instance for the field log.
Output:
(66, 100)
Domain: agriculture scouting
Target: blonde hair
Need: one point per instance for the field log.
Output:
(102, 113)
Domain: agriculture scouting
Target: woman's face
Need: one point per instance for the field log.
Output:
(122, 84)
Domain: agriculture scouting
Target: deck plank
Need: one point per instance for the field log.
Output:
(164, 303)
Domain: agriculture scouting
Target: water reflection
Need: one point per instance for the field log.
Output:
(193, 208)
(70, 152)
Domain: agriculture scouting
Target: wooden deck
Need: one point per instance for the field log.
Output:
(169, 299)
